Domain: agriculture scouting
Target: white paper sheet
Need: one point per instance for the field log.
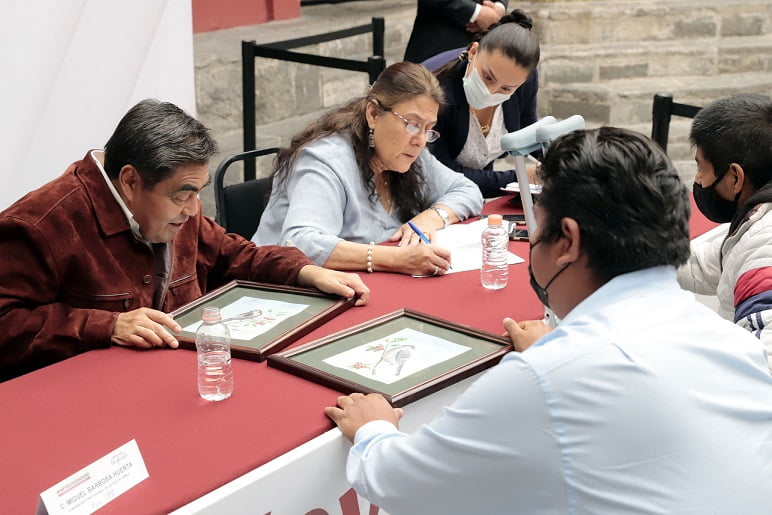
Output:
(465, 245)
(514, 187)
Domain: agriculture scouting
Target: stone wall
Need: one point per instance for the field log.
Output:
(602, 59)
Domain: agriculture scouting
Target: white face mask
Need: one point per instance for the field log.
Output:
(477, 93)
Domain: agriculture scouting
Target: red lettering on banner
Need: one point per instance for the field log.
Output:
(349, 505)
(349, 502)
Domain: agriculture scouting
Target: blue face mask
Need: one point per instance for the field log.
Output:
(541, 292)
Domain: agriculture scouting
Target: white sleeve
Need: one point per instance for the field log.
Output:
(702, 271)
(450, 188)
(476, 13)
(499, 430)
(311, 225)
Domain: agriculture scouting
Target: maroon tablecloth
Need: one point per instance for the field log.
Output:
(61, 418)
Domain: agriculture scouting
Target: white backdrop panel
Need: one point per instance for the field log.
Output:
(71, 69)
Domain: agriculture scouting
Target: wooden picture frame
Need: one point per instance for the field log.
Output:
(321, 360)
(319, 308)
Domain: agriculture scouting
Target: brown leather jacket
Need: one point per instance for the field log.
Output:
(70, 263)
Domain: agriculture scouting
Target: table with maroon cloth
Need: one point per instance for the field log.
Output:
(63, 417)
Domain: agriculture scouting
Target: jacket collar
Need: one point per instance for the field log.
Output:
(109, 215)
(457, 85)
(744, 212)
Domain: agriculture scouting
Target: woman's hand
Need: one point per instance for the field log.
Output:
(406, 236)
(423, 259)
(428, 221)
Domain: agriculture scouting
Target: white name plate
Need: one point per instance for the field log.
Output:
(97, 484)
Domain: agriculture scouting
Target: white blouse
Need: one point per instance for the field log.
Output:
(479, 150)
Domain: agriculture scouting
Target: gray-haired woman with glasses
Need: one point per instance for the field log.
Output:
(356, 176)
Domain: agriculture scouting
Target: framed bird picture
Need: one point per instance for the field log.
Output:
(404, 355)
(262, 318)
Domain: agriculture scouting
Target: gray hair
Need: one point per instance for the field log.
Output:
(156, 138)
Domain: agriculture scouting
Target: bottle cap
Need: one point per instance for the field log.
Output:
(211, 314)
(494, 219)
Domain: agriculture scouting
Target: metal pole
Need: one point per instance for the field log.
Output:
(248, 104)
(379, 29)
(660, 118)
(375, 65)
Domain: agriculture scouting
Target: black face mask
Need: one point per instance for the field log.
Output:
(541, 292)
(715, 208)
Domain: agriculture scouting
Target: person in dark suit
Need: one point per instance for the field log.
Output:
(490, 90)
(445, 24)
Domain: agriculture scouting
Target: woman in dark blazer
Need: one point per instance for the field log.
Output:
(490, 91)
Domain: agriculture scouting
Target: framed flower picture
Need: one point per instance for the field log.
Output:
(404, 355)
(262, 318)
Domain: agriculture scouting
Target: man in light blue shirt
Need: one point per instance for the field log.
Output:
(641, 400)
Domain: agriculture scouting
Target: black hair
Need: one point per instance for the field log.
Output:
(626, 196)
(512, 36)
(156, 138)
(737, 129)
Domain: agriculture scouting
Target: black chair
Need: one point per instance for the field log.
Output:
(662, 110)
(240, 206)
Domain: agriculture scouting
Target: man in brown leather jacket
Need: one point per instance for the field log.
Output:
(99, 255)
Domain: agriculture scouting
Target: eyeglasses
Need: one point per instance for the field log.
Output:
(414, 130)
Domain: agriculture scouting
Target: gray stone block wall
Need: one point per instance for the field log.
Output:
(602, 59)
(287, 95)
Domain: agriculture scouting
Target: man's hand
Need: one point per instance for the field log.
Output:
(332, 281)
(357, 409)
(144, 328)
(490, 13)
(524, 334)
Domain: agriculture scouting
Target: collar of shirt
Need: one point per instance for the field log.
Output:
(98, 156)
(655, 279)
(604, 300)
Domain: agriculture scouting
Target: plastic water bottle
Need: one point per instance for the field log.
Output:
(213, 346)
(494, 272)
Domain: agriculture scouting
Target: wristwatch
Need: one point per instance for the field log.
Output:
(443, 214)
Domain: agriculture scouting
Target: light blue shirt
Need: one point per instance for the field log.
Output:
(324, 201)
(641, 401)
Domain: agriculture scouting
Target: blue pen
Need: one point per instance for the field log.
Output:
(422, 236)
(419, 233)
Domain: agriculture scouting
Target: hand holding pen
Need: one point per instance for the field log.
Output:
(419, 232)
(425, 240)
(415, 254)
(409, 235)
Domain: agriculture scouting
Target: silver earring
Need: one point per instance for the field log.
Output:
(371, 139)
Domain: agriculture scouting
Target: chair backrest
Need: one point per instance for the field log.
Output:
(435, 62)
(662, 110)
(240, 206)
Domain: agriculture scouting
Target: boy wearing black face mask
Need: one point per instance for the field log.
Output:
(733, 184)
